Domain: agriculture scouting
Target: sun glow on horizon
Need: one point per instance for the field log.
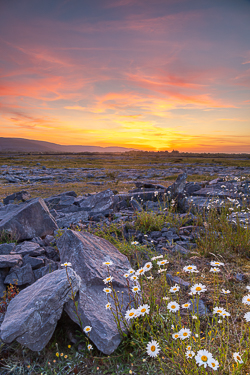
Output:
(156, 77)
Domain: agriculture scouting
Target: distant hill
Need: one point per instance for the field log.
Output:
(28, 145)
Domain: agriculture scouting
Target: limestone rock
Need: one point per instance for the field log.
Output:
(29, 220)
(51, 267)
(99, 202)
(32, 315)
(22, 276)
(87, 253)
(6, 248)
(10, 260)
(20, 196)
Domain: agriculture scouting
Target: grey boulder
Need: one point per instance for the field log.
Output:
(32, 315)
(99, 202)
(10, 260)
(29, 248)
(20, 196)
(6, 248)
(179, 185)
(87, 253)
(21, 276)
(29, 220)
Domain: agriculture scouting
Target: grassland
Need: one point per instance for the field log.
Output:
(221, 335)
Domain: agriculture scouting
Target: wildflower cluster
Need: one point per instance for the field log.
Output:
(196, 352)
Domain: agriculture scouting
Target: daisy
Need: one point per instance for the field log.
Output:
(132, 313)
(189, 354)
(135, 243)
(166, 298)
(107, 290)
(247, 316)
(144, 309)
(248, 287)
(174, 289)
(130, 271)
(148, 266)
(237, 357)
(87, 329)
(190, 269)
(184, 333)
(108, 280)
(175, 336)
(218, 310)
(214, 364)
(66, 265)
(134, 277)
(216, 264)
(126, 275)
(149, 277)
(194, 317)
(90, 347)
(173, 306)
(108, 306)
(162, 262)
(136, 289)
(225, 291)
(162, 270)
(246, 300)
(189, 348)
(158, 257)
(198, 288)
(140, 271)
(214, 270)
(203, 357)
(225, 313)
(185, 305)
(153, 348)
(109, 263)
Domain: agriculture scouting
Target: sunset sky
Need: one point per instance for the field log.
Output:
(152, 75)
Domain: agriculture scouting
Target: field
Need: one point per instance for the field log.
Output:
(178, 335)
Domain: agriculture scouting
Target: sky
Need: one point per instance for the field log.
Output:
(152, 75)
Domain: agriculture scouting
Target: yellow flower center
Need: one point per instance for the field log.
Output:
(186, 305)
(189, 268)
(248, 299)
(131, 314)
(185, 334)
(87, 329)
(176, 336)
(148, 265)
(198, 288)
(213, 364)
(219, 311)
(173, 307)
(153, 348)
(204, 358)
(140, 271)
(189, 348)
(143, 310)
(239, 359)
(190, 355)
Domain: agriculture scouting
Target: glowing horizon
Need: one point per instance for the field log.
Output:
(173, 74)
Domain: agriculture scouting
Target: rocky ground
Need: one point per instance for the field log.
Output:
(38, 235)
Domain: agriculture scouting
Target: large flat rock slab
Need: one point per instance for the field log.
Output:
(32, 315)
(87, 253)
(29, 220)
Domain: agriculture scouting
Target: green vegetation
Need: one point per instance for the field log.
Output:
(226, 337)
